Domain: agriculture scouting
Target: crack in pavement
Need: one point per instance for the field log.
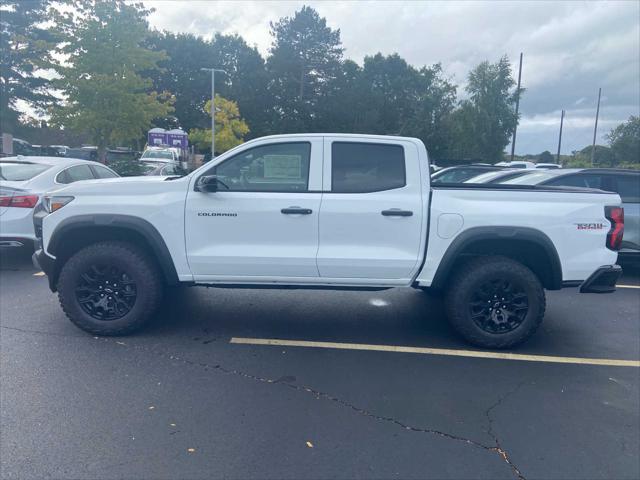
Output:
(497, 449)
(491, 433)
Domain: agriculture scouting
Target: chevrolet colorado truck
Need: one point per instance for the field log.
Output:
(330, 211)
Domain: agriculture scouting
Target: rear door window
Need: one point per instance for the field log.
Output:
(366, 167)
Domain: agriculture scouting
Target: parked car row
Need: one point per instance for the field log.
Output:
(125, 161)
(625, 183)
(24, 180)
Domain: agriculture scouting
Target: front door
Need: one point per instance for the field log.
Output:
(263, 219)
(372, 214)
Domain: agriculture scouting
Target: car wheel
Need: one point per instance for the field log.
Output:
(495, 302)
(109, 288)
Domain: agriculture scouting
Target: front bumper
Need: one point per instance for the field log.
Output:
(44, 262)
(603, 280)
(16, 242)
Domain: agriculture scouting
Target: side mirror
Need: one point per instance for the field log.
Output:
(207, 184)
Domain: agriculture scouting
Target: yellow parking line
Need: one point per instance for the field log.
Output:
(438, 351)
(39, 274)
(627, 286)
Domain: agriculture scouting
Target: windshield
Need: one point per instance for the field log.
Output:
(458, 174)
(151, 166)
(495, 177)
(18, 172)
(164, 154)
(533, 178)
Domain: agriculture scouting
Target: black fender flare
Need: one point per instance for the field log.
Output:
(123, 222)
(474, 234)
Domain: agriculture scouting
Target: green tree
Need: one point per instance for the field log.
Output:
(603, 157)
(101, 78)
(484, 122)
(245, 80)
(230, 127)
(305, 57)
(435, 101)
(180, 73)
(25, 48)
(546, 157)
(624, 141)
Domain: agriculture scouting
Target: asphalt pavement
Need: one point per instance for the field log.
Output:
(180, 400)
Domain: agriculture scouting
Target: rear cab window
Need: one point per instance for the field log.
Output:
(358, 167)
(20, 171)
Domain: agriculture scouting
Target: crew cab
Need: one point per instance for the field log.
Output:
(327, 211)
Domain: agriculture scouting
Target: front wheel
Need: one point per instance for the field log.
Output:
(495, 302)
(109, 288)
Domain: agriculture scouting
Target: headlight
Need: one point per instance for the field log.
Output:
(53, 202)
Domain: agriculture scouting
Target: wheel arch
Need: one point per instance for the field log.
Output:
(529, 246)
(77, 232)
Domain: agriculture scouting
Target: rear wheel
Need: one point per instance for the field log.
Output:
(495, 302)
(109, 288)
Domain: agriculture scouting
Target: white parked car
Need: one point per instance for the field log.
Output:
(165, 154)
(327, 211)
(519, 164)
(23, 180)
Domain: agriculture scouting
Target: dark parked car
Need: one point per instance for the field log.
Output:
(625, 183)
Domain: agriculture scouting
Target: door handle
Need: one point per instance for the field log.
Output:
(396, 212)
(296, 211)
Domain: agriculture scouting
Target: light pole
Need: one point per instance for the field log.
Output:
(595, 129)
(560, 137)
(213, 107)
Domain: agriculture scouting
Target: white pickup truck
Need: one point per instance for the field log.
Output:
(326, 211)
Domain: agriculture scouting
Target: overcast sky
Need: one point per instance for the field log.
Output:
(570, 49)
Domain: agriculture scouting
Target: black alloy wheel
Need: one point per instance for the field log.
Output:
(498, 306)
(106, 293)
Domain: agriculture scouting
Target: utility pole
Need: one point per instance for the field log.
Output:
(213, 107)
(513, 140)
(560, 137)
(595, 129)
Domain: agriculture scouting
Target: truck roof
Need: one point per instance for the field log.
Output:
(343, 135)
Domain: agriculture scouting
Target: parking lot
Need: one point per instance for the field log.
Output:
(196, 395)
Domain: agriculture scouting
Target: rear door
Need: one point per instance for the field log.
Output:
(371, 216)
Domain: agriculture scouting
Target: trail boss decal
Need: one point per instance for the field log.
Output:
(590, 226)
(217, 214)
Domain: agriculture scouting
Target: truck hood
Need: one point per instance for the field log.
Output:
(122, 185)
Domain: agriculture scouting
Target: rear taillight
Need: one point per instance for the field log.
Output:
(616, 216)
(19, 201)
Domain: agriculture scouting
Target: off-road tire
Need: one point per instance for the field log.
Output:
(138, 266)
(474, 273)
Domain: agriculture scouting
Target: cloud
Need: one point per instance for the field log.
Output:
(570, 48)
